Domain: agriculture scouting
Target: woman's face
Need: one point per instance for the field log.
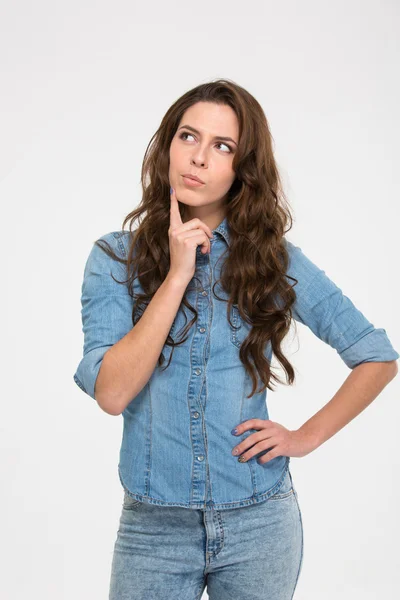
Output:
(203, 153)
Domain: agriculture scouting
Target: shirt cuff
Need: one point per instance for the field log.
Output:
(374, 346)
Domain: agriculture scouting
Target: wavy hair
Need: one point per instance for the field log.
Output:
(254, 272)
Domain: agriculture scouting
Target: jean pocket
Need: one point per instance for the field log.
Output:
(129, 503)
(286, 490)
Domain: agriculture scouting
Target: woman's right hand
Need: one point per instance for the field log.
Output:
(183, 241)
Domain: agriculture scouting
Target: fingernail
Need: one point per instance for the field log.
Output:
(171, 189)
(234, 431)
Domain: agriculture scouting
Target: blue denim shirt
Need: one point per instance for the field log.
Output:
(177, 441)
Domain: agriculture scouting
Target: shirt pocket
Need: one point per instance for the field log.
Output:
(182, 318)
(240, 329)
(167, 350)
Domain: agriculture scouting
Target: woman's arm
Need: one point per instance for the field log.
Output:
(129, 363)
(360, 388)
(322, 306)
(332, 316)
(363, 384)
(118, 359)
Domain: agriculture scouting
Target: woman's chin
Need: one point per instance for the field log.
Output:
(188, 196)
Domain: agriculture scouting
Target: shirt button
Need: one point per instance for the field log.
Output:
(201, 457)
(196, 415)
(204, 293)
(202, 329)
(197, 371)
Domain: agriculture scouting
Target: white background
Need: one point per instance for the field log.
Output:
(84, 87)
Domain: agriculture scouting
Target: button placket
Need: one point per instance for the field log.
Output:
(198, 360)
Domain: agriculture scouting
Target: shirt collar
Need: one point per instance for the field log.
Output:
(223, 230)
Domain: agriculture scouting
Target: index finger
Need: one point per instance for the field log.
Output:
(175, 218)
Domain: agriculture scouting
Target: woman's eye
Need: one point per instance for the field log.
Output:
(222, 144)
(185, 133)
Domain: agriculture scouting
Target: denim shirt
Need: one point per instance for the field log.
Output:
(177, 441)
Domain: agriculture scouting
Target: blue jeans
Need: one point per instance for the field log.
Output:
(252, 552)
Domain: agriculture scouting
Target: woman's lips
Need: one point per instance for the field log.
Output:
(191, 182)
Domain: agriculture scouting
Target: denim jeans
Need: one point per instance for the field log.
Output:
(174, 553)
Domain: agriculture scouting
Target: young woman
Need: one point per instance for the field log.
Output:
(181, 317)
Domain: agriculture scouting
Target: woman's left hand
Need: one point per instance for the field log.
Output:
(282, 441)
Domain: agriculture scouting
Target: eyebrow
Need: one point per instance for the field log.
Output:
(217, 137)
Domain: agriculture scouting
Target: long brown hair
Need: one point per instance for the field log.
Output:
(254, 272)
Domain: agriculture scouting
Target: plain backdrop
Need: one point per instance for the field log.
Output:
(84, 85)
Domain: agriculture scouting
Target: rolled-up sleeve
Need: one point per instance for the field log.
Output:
(106, 309)
(331, 315)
